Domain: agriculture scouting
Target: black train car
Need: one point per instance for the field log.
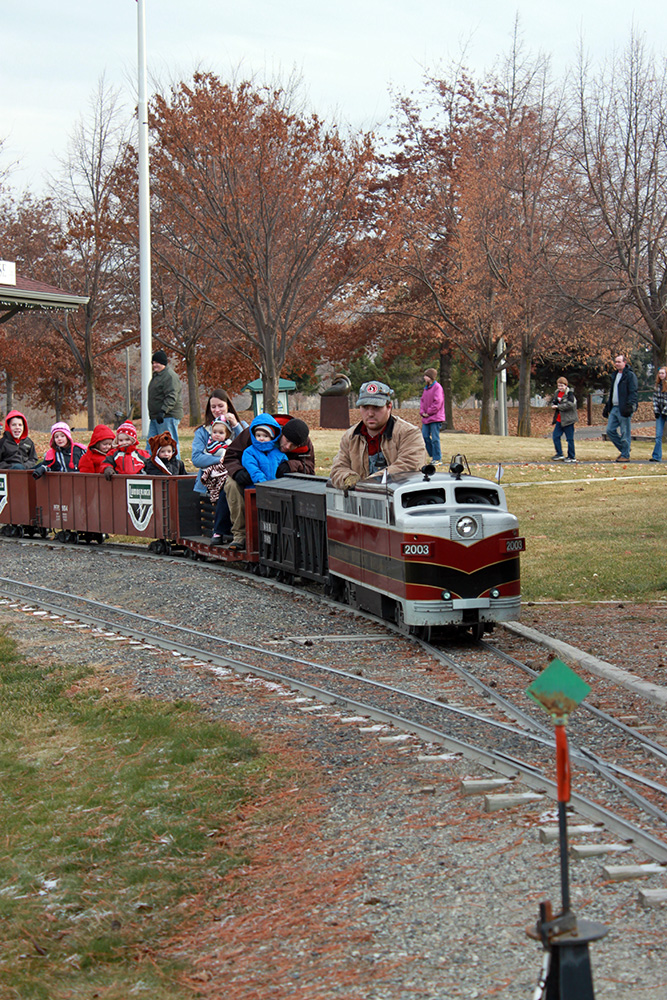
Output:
(292, 527)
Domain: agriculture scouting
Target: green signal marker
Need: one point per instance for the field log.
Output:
(558, 690)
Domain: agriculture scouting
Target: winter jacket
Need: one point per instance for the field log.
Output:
(64, 459)
(15, 454)
(164, 395)
(567, 409)
(162, 467)
(432, 405)
(301, 459)
(262, 458)
(628, 396)
(93, 460)
(201, 459)
(402, 445)
(127, 461)
(660, 403)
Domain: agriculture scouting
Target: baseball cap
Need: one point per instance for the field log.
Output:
(374, 394)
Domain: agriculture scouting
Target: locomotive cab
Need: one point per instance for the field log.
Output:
(429, 551)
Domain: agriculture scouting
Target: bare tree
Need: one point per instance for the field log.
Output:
(268, 200)
(92, 260)
(618, 249)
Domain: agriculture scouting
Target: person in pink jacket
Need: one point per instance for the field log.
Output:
(432, 410)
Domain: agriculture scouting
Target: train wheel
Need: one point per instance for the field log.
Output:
(100, 537)
(73, 538)
(167, 548)
(477, 631)
(44, 532)
(399, 618)
(422, 632)
(19, 531)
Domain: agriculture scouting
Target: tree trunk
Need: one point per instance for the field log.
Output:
(9, 384)
(58, 394)
(91, 396)
(523, 429)
(446, 383)
(270, 381)
(193, 387)
(89, 375)
(486, 417)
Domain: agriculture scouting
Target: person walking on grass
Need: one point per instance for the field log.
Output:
(621, 404)
(432, 412)
(660, 412)
(564, 405)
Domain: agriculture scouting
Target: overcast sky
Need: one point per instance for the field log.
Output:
(349, 53)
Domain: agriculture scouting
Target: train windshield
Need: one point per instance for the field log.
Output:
(486, 496)
(424, 498)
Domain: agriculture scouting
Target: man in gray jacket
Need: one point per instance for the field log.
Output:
(165, 407)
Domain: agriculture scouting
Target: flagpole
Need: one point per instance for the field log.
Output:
(144, 218)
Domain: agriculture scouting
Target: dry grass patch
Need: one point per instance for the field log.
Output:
(115, 813)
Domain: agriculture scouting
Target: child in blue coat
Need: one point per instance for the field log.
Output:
(263, 456)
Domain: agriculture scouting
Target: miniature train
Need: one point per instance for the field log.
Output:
(427, 551)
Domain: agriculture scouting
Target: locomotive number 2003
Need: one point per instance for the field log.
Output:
(514, 545)
(413, 549)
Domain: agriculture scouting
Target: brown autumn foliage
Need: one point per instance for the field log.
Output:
(269, 201)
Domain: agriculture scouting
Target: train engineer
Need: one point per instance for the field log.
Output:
(379, 441)
(298, 456)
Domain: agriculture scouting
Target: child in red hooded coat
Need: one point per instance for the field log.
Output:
(16, 449)
(101, 443)
(126, 459)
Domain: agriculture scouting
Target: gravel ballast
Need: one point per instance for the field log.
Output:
(392, 884)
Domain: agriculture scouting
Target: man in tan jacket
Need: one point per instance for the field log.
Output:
(379, 441)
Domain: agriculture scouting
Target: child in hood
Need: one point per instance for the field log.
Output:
(101, 442)
(126, 459)
(63, 454)
(263, 456)
(164, 460)
(16, 449)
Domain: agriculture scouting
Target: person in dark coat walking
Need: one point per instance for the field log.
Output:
(621, 404)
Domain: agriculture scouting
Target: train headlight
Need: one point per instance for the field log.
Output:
(495, 592)
(446, 595)
(466, 527)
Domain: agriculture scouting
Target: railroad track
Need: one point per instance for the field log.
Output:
(480, 721)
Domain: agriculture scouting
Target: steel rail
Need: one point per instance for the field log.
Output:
(495, 760)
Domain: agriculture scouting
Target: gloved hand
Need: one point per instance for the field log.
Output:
(109, 472)
(243, 478)
(160, 416)
(283, 469)
(38, 473)
(351, 480)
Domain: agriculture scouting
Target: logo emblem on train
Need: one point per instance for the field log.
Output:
(140, 502)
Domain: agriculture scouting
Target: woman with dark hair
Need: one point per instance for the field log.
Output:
(660, 412)
(218, 405)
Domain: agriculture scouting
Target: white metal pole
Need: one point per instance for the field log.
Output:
(144, 218)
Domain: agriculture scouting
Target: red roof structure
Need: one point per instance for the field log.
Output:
(28, 294)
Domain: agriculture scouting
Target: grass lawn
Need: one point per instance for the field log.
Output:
(116, 812)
